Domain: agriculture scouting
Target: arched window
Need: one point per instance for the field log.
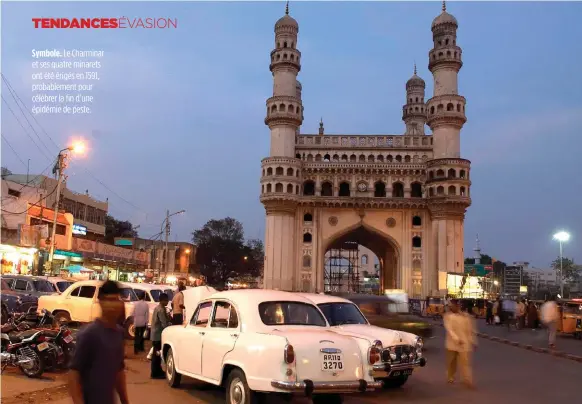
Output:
(431, 191)
(440, 190)
(371, 158)
(430, 175)
(290, 172)
(298, 156)
(289, 188)
(307, 217)
(344, 157)
(364, 260)
(318, 157)
(309, 157)
(462, 174)
(306, 261)
(407, 159)
(416, 190)
(309, 188)
(450, 107)
(335, 157)
(269, 171)
(452, 173)
(326, 189)
(380, 190)
(326, 157)
(462, 191)
(416, 221)
(416, 242)
(440, 173)
(262, 189)
(397, 190)
(353, 158)
(452, 190)
(278, 187)
(381, 158)
(307, 238)
(389, 158)
(268, 187)
(362, 158)
(399, 159)
(344, 189)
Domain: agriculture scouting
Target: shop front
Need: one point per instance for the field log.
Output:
(111, 262)
(17, 260)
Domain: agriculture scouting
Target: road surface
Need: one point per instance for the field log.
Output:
(503, 374)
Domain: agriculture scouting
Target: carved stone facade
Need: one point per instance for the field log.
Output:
(403, 197)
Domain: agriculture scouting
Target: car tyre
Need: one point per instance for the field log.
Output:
(238, 390)
(172, 376)
(62, 317)
(129, 329)
(328, 399)
(394, 383)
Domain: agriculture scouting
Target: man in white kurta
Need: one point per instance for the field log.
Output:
(460, 342)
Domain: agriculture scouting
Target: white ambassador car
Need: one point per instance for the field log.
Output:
(400, 352)
(265, 341)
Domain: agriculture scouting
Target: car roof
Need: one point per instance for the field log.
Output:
(257, 296)
(319, 298)
(143, 286)
(26, 277)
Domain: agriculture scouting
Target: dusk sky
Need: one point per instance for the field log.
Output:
(178, 114)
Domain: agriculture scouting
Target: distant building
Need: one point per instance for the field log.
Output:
(88, 212)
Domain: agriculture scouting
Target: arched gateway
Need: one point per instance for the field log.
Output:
(403, 197)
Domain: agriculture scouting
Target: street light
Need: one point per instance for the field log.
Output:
(562, 237)
(77, 148)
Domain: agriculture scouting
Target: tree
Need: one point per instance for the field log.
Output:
(572, 272)
(117, 228)
(222, 252)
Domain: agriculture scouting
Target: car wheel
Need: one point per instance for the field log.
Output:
(172, 375)
(328, 399)
(394, 383)
(130, 329)
(62, 318)
(237, 389)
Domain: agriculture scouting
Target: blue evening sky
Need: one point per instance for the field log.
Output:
(178, 116)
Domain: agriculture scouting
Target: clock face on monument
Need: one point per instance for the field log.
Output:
(362, 187)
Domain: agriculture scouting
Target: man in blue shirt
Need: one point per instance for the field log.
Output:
(160, 320)
(97, 369)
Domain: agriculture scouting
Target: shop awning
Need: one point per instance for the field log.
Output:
(75, 269)
(47, 214)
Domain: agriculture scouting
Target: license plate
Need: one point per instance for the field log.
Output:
(332, 362)
(43, 346)
(68, 339)
(397, 373)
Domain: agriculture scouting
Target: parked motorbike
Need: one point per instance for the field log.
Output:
(23, 350)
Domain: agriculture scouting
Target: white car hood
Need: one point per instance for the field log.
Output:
(373, 333)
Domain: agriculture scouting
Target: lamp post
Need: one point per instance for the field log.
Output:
(562, 237)
(58, 169)
(167, 223)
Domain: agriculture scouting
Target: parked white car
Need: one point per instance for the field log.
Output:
(400, 352)
(79, 302)
(60, 284)
(264, 341)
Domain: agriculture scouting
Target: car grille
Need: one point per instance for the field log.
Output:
(404, 354)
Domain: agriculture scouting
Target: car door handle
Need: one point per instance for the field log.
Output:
(234, 335)
(201, 332)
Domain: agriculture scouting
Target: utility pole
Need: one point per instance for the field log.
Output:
(166, 258)
(58, 170)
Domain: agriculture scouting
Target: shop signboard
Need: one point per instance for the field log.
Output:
(114, 252)
(478, 269)
(79, 230)
(512, 280)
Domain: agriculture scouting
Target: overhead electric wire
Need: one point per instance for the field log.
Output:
(14, 151)
(27, 184)
(23, 128)
(15, 96)
(33, 204)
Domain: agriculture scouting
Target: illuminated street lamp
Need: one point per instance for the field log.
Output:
(562, 237)
(77, 148)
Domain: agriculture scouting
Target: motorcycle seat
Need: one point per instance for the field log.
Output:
(19, 336)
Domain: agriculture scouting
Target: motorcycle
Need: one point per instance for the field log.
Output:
(23, 350)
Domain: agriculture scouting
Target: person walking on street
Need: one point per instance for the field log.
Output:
(532, 316)
(98, 367)
(160, 320)
(141, 314)
(521, 314)
(489, 312)
(178, 305)
(460, 341)
(550, 317)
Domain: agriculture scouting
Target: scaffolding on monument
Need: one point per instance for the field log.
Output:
(342, 268)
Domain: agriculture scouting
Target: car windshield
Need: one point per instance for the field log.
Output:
(43, 286)
(156, 294)
(342, 313)
(290, 313)
(63, 285)
(127, 295)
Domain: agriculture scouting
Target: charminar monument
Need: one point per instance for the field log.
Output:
(402, 196)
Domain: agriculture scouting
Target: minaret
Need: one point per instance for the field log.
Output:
(413, 112)
(281, 180)
(477, 250)
(321, 129)
(448, 178)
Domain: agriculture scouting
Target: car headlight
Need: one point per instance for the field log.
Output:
(378, 344)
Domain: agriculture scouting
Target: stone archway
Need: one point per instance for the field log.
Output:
(382, 245)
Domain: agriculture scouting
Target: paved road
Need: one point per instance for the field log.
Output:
(502, 373)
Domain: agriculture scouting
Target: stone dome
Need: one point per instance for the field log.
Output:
(444, 18)
(415, 81)
(286, 21)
